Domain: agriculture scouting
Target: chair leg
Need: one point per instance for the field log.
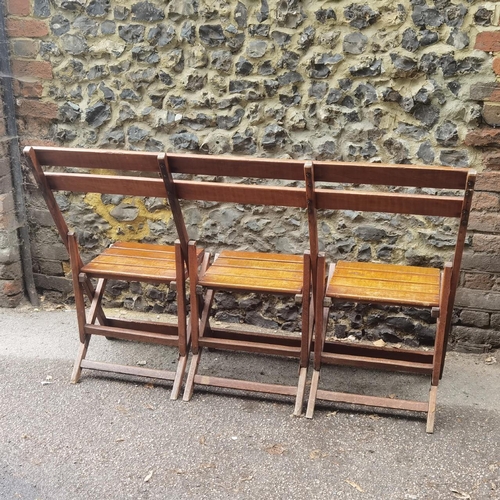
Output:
(179, 376)
(301, 389)
(77, 369)
(312, 394)
(432, 409)
(193, 368)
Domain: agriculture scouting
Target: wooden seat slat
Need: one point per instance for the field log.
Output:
(252, 284)
(139, 254)
(261, 257)
(136, 273)
(258, 264)
(368, 267)
(143, 246)
(238, 273)
(144, 262)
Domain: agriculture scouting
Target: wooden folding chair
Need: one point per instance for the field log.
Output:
(237, 271)
(128, 261)
(390, 284)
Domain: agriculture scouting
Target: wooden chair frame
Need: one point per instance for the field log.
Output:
(360, 355)
(205, 335)
(125, 261)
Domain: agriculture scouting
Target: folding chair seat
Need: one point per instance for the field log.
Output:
(388, 284)
(127, 261)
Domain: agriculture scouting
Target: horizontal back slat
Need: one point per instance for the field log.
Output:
(241, 193)
(106, 184)
(391, 175)
(97, 159)
(443, 206)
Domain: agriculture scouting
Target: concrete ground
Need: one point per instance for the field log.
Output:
(117, 437)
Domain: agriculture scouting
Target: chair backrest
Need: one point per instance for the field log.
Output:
(447, 192)
(128, 173)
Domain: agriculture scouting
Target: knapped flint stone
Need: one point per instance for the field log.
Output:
(334, 96)
(41, 8)
(318, 90)
(122, 67)
(142, 76)
(425, 335)
(360, 15)
(424, 16)
(401, 323)
(454, 15)
(274, 136)
(176, 102)
(241, 15)
(73, 5)
(115, 136)
(121, 12)
(326, 151)
(452, 67)
(129, 95)
(355, 43)
(185, 140)
(405, 66)
(483, 16)
(49, 48)
(429, 63)
(324, 15)
(131, 33)
(263, 14)
(244, 143)
(384, 252)
(415, 133)
(373, 68)
(256, 48)
(212, 35)
(423, 96)
(281, 38)
(289, 13)
(447, 134)
(136, 134)
(407, 103)
(216, 144)
(236, 86)
(126, 113)
(97, 72)
(107, 93)
(459, 39)
(454, 158)
(256, 319)
(188, 32)
(366, 93)
(199, 122)
(166, 79)
(454, 88)
(391, 95)
(290, 77)
(243, 67)
(98, 8)
(236, 42)
(222, 60)
(427, 114)
(319, 71)
(306, 38)
(87, 26)
(154, 145)
(364, 253)
(59, 25)
(161, 35)
(267, 69)
(428, 38)
(290, 99)
(179, 9)
(145, 54)
(195, 82)
(74, 44)
(370, 233)
(69, 112)
(368, 151)
(348, 102)
(125, 212)
(410, 41)
(259, 30)
(108, 27)
(97, 114)
(146, 11)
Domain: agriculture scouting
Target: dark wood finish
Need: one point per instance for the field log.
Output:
(387, 283)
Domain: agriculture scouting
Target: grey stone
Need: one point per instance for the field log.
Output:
(263, 14)
(370, 233)
(132, 33)
(259, 30)
(236, 42)
(145, 54)
(318, 90)
(120, 12)
(447, 134)
(429, 63)
(59, 25)
(142, 76)
(476, 336)
(146, 11)
(216, 144)
(122, 67)
(49, 49)
(241, 15)
(108, 27)
(289, 60)
(211, 35)
(112, 199)
(115, 136)
(454, 15)
(426, 153)
(267, 69)
(136, 134)
(290, 77)
(129, 95)
(69, 112)
(391, 95)
(355, 43)
(274, 136)
(154, 145)
(452, 67)
(195, 82)
(483, 16)
(423, 96)
(424, 16)
(87, 26)
(188, 32)
(41, 8)
(97, 72)
(400, 323)
(454, 158)
(185, 140)
(229, 122)
(416, 133)
(366, 93)
(326, 151)
(364, 253)
(74, 44)
(281, 38)
(459, 39)
(405, 66)
(243, 67)
(306, 38)
(256, 319)
(289, 13)
(179, 9)
(161, 35)
(97, 114)
(371, 68)
(384, 252)
(236, 86)
(125, 212)
(360, 15)
(98, 8)
(199, 122)
(428, 38)
(426, 114)
(72, 5)
(256, 48)
(324, 15)
(244, 142)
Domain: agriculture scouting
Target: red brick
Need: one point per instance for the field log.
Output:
(25, 47)
(27, 89)
(488, 41)
(485, 201)
(37, 69)
(18, 7)
(483, 137)
(37, 109)
(479, 281)
(29, 28)
(496, 65)
(485, 92)
(491, 160)
(491, 114)
(488, 181)
(488, 243)
(484, 221)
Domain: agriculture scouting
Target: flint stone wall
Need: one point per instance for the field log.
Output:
(380, 81)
